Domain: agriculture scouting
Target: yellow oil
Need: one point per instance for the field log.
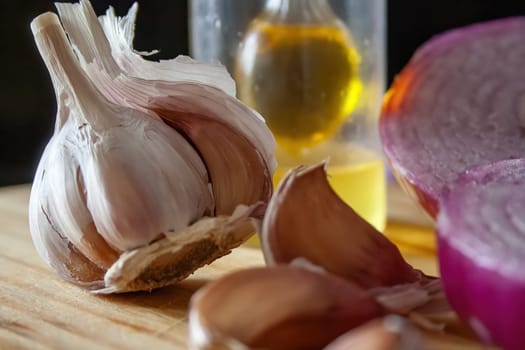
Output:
(355, 173)
(303, 78)
(360, 185)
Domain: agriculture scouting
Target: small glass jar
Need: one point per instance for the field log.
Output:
(315, 70)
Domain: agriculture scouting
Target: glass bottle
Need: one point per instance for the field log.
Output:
(298, 65)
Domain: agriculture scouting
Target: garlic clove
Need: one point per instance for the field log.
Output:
(177, 254)
(301, 306)
(276, 308)
(64, 208)
(233, 140)
(57, 250)
(237, 170)
(120, 32)
(389, 333)
(332, 237)
(135, 190)
(398, 333)
(306, 219)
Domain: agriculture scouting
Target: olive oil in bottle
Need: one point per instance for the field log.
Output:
(304, 81)
(298, 66)
(356, 173)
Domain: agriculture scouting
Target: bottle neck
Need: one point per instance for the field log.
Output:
(299, 11)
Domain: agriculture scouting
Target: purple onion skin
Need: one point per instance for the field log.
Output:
(490, 297)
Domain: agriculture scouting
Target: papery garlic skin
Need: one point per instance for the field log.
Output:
(120, 32)
(233, 140)
(138, 189)
(111, 178)
(332, 236)
(102, 51)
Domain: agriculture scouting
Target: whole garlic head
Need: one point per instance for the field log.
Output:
(120, 197)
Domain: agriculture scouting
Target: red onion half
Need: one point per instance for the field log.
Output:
(481, 247)
(460, 102)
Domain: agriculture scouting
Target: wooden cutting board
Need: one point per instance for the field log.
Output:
(40, 311)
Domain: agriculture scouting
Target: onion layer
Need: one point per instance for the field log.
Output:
(481, 245)
(459, 103)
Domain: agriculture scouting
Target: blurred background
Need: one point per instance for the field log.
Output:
(26, 95)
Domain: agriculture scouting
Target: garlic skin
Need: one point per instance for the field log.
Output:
(120, 198)
(121, 31)
(232, 139)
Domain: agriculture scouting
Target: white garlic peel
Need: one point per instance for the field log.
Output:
(121, 32)
(112, 180)
(233, 140)
(105, 50)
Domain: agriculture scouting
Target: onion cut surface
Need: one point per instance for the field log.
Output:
(481, 247)
(459, 103)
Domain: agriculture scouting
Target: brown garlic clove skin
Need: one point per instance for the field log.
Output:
(277, 308)
(307, 224)
(389, 333)
(306, 219)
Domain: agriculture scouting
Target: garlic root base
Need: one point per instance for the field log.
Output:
(178, 254)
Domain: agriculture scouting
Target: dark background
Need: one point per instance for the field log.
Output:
(26, 96)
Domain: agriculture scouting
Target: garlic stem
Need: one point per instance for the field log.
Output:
(86, 31)
(69, 80)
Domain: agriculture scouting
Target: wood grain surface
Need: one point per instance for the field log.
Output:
(40, 311)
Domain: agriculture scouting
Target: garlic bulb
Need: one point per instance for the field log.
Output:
(120, 198)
